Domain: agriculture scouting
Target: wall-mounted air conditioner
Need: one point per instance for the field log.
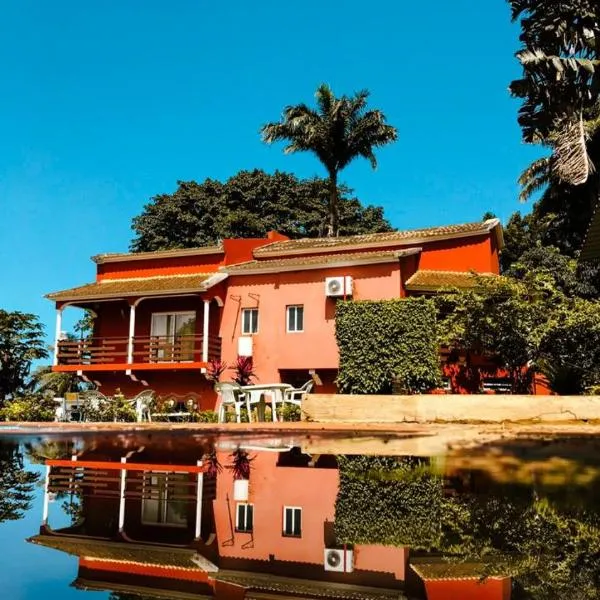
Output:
(245, 345)
(336, 287)
(339, 560)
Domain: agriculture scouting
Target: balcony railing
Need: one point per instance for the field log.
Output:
(146, 350)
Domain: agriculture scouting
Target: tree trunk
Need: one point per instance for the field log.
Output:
(334, 209)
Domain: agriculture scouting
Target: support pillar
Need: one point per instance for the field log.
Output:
(46, 497)
(57, 335)
(122, 496)
(205, 331)
(131, 334)
(199, 484)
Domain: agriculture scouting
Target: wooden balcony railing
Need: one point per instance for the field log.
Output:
(146, 350)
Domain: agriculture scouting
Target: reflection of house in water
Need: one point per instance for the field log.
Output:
(155, 525)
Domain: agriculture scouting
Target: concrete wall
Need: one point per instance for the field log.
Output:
(338, 408)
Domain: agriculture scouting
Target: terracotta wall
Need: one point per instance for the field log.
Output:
(271, 488)
(491, 589)
(315, 348)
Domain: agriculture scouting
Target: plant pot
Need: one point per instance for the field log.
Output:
(240, 490)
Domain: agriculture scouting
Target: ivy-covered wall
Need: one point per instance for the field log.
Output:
(380, 341)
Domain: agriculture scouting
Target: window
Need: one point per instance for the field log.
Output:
(172, 336)
(249, 321)
(295, 318)
(244, 519)
(292, 521)
(158, 506)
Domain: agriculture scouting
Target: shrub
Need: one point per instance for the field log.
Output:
(94, 409)
(386, 341)
(205, 416)
(29, 408)
(289, 412)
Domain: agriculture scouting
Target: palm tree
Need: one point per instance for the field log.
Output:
(340, 130)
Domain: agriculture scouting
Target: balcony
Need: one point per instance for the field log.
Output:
(146, 353)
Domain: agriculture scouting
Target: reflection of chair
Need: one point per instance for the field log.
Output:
(143, 404)
(296, 395)
(230, 394)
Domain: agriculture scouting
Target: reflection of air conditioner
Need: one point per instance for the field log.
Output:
(341, 561)
(338, 286)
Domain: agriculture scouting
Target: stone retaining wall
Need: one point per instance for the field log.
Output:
(339, 408)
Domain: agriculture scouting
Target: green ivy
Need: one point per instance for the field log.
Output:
(384, 342)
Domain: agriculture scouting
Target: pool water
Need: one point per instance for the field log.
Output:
(195, 516)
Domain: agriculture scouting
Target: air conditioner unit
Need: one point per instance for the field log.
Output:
(338, 286)
(339, 560)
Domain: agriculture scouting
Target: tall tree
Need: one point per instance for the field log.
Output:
(249, 204)
(340, 130)
(16, 484)
(21, 342)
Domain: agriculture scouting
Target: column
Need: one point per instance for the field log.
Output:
(57, 334)
(46, 496)
(122, 496)
(199, 483)
(131, 334)
(205, 331)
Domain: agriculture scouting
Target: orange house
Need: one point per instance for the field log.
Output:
(160, 317)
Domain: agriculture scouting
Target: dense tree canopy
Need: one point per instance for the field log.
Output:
(21, 342)
(248, 204)
(337, 132)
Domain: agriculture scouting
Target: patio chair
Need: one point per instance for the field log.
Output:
(230, 394)
(296, 395)
(143, 404)
(92, 399)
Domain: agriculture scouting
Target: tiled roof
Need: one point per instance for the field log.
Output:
(452, 571)
(304, 588)
(109, 288)
(376, 239)
(174, 253)
(299, 263)
(118, 551)
(425, 281)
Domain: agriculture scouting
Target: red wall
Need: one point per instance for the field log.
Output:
(490, 589)
(465, 254)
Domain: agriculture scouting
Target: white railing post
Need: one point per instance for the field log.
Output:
(131, 334)
(122, 496)
(199, 483)
(57, 335)
(205, 331)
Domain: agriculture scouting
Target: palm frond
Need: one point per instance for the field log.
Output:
(536, 177)
(571, 161)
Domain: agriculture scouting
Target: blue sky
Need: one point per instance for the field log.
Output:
(106, 103)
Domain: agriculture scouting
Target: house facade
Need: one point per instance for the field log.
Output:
(160, 317)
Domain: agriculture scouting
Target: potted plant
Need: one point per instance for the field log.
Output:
(244, 370)
(215, 369)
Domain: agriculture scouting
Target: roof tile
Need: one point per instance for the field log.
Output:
(131, 287)
(425, 281)
(321, 261)
(391, 237)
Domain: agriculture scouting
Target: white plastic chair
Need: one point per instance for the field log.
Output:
(143, 404)
(296, 395)
(230, 394)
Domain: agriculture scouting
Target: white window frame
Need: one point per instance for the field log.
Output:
(292, 508)
(164, 522)
(237, 516)
(244, 311)
(287, 318)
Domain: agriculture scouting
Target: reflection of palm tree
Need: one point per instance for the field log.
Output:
(43, 381)
(16, 484)
(42, 450)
